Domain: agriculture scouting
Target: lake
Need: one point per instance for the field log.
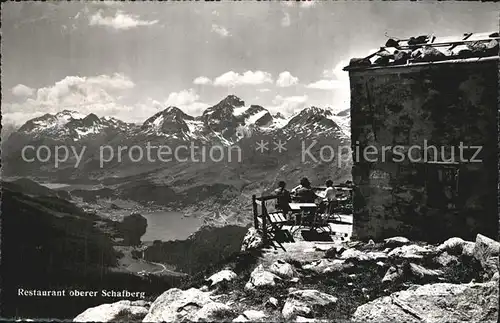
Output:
(166, 226)
(69, 187)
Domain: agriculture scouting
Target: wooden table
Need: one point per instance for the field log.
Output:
(302, 206)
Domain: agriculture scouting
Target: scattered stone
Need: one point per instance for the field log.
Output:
(353, 244)
(272, 302)
(392, 274)
(468, 249)
(283, 269)
(183, 305)
(384, 53)
(295, 280)
(486, 251)
(212, 312)
(465, 53)
(353, 254)
(304, 319)
(396, 242)
(424, 273)
(322, 247)
(334, 252)
(483, 47)
(382, 61)
(241, 318)
(495, 277)
(120, 311)
(418, 40)
(252, 240)
(254, 315)
(409, 252)
(261, 278)
(453, 246)
(223, 275)
(444, 259)
(325, 265)
(306, 302)
(370, 243)
(392, 43)
(416, 54)
(433, 303)
(250, 315)
(360, 62)
(401, 56)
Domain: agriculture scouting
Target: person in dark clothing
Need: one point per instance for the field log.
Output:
(283, 197)
(304, 192)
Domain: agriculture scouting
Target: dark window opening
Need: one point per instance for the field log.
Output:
(442, 186)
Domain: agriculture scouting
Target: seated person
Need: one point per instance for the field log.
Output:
(283, 197)
(330, 200)
(304, 192)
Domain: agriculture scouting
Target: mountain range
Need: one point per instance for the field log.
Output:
(219, 123)
(188, 185)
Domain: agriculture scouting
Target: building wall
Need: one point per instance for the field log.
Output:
(444, 104)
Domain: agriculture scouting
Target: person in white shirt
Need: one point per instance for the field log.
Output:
(330, 199)
(330, 192)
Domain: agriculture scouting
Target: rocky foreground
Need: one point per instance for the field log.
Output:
(392, 280)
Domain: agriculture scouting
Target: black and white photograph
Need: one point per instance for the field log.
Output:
(250, 161)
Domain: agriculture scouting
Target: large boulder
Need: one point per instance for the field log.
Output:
(424, 274)
(307, 302)
(119, 311)
(283, 269)
(358, 255)
(186, 305)
(261, 278)
(413, 251)
(440, 302)
(223, 275)
(486, 251)
(456, 246)
(252, 240)
(396, 242)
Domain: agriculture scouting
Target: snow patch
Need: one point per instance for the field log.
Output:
(253, 119)
(239, 111)
(158, 121)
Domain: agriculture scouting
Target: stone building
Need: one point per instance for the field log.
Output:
(424, 136)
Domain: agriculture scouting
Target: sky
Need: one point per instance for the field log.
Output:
(130, 60)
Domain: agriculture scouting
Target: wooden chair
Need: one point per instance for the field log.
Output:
(274, 225)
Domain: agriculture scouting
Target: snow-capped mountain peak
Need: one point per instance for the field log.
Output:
(171, 121)
(314, 120)
(68, 124)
